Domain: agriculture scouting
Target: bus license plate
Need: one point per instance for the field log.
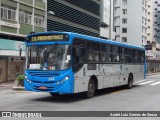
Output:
(43, 87)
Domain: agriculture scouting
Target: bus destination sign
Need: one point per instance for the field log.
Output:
(62, 37)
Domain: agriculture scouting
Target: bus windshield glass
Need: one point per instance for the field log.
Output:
(48, 57)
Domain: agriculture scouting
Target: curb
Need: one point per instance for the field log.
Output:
(152, 74)
(18, 88)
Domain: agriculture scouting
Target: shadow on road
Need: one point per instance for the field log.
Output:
(80, 96)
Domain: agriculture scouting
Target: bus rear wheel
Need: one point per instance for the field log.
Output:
(130, 82)
(91, 89)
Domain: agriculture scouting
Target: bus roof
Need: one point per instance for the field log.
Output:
(90, 38)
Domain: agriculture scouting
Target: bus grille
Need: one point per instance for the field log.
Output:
(42, 74)
(46, 82)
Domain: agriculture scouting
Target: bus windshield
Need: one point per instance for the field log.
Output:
(48, 57)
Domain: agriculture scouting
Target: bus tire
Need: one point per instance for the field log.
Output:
(54, 94)
(91, 89)
(130, 82)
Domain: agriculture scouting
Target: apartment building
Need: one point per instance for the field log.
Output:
(153, 30)
(18, 18)
(131, 21)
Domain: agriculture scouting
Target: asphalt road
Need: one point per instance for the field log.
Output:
(144, 96)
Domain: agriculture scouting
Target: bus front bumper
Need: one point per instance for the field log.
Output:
(65, 87)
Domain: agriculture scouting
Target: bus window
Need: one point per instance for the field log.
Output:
(78, 58)
(141, 57)
(103, 54)
(136, 56)
(109, 54)
(94, 53)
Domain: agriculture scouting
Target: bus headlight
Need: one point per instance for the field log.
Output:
(66, 78)
(58, 82)
(62, 81)
(28, 79)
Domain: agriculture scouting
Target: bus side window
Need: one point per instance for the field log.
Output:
(78, 55)
(78, 58)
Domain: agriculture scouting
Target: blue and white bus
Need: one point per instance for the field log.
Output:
(68, 63)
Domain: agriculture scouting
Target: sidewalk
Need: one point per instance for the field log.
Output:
(10, 85)
(150, 74)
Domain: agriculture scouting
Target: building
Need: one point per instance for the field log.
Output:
(131, 21)
(18, 18)
(153, 35)
(153, 30)
(80, 16)
(107, 18)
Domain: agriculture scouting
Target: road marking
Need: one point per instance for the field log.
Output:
(155, 83)
(139, 81)
(146, 82)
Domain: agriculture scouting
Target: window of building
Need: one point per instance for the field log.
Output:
(124, 20)
(124, 2)
(124, 11)
(124, 39)
(144, 30)
(8, 14)
(146, 22)
(25, 17)
(39, 21)
(124, 30)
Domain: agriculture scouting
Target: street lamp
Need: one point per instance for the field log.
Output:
(51, 12)
(46, 17)
(20, 54)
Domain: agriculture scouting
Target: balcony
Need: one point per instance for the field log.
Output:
(156, 2)
(156, 28)
(155, 22)
(155, 15)
(40, 4)
(27, 1)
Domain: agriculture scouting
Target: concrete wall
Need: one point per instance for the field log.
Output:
(134, 22)
(3, 70)
(108, 18)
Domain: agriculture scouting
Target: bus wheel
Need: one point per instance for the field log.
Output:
(54, 94)
(91, 89)
(130, 82)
